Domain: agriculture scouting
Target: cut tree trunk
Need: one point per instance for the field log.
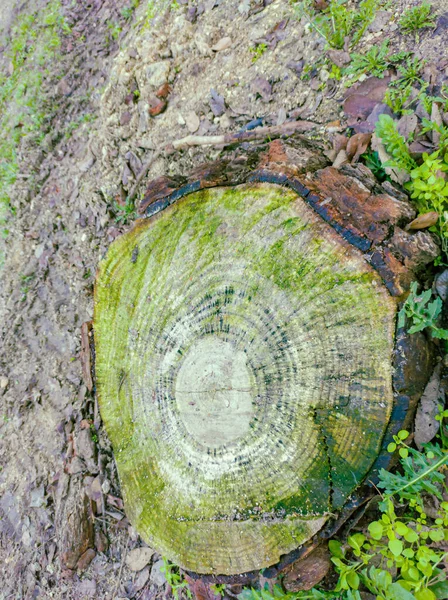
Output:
(247, 367)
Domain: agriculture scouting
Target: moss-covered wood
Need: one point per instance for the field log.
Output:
(243, 363)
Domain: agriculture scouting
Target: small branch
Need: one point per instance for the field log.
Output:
(225, 139)
(114, 595)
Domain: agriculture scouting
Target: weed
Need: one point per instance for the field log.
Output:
(175, 579)
(124, 213)
(25, 113)
(340, 20)
(375, 61)
(128, 11)
(114, 29)
(373, 162)
(422, 313)
(395, 144)
(257, 51)
(417, 18)
(409, 73)
(398, 99)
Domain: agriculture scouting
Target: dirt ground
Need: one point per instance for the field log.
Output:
(109, 72)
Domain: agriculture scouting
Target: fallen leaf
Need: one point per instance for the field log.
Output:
(217, 103)
(423, 221)
(114, 501)
(361, 100)
(137, 559)
(222, 44)
(85, 559)
(201, 590)
(357, 145)
(407, 125)
(306, 572)
(164, 91)
(436, 118)
(281, 117)
(156, 106)
(262, 87)
(341, 159)
(426, 425)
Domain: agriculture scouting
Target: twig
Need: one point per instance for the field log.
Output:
(145, 168)
(225, 139)
(114, 595)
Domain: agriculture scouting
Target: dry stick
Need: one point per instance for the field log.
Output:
(121, 567)
(219, 140)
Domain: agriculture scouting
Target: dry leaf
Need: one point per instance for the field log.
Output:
(137, 559)
(423, 221)
(426, 425)
(407, 125)
(357, 145)
(341, 159)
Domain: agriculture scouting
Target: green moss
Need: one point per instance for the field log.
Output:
(255, 268)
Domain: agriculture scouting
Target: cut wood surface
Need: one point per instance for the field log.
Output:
(244, 373)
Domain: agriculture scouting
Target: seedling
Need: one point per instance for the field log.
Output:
(417, 18)
(340, 20)
(422, 313)
(257, 51)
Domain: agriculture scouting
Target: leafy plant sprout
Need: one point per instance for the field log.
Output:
(340, 20)
(416, 18)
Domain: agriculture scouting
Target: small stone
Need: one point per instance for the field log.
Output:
(225, 122)
(180, 119)
(222, 44)
(157, 73)
(86, 559)
(4, 381)
(38, 497)
(137, 559)
(192, 121)
(157, 576)
(125, 118)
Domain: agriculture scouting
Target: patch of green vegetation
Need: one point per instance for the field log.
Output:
(25, 111)
(257, 51)
(127, 12)
(342, 19)
(427, 185)
(409, 73)
(114, 29)
(398, 99)
(398, 557)
(76, 123)
(373, 162)
(422, 313)
(375, 61)
(124, 213)
(175, 579)
(395, 144)
(417, 18)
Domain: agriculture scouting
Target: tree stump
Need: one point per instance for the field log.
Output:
(246, 359)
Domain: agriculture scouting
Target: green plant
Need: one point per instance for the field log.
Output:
(422, 313)
(257, 51)
(114, 29)
(124, 213)
(417, 18)
(175, 579)
(409, 73)
(375, 61)
(25, 109)
(395, 144)
(373, 162)
(340, 20)
(398, 99)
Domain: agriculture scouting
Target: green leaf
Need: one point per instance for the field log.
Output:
(353, 580)
(392, 447)
(440, 590)
(397, 592)
(396, 547)
(376, 530)
(335, 548)
(425, 594)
